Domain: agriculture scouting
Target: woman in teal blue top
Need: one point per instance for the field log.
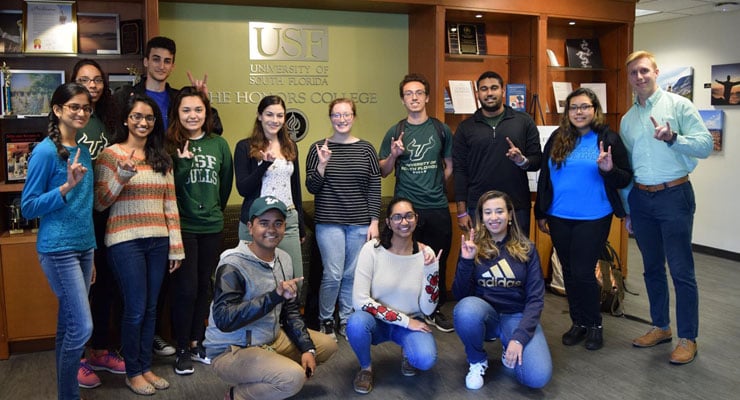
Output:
(59, 190)
(583, 165)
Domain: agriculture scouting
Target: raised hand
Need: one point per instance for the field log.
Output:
(288, 289)
(514, 153)
(200, 84)
(429, 258)
(605, 158)
(128, 164)
(323, 152)
(397, 147)
(267, 156)
(468, 249)
(663, 133)
(185, 153)
(75, 171)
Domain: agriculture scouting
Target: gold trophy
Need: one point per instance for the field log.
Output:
(7, 107)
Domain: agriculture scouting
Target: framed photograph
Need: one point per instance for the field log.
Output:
(50, 27)
(11, 31)
(98, 33)
(118, 81)
(31, 90)
(714, 121)
(18, 147)
(677, 80)
(726, 85)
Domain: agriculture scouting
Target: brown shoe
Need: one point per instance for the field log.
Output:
(654, 336)
(684, 352)
(363, 381)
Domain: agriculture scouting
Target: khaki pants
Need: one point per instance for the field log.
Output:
(264, 374)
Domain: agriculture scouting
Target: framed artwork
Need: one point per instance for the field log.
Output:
(98, 33)
(50, 27)
(714, 121)
(132, 36)
(18, 147)
(31, 90)
(118, 81)
(678, 80)
(11, 31)
(583, 53)
(726, 85)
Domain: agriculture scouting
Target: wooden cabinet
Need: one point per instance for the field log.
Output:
(28, 307)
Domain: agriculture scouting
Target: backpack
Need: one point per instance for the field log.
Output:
(610, 278)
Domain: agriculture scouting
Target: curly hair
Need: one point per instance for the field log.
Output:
(565, 141)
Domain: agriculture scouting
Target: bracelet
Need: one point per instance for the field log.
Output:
(523, 163)
(465, 214)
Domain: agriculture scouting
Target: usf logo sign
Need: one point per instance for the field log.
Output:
(288, 42)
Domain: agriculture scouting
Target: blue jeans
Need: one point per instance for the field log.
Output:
(364, 330)
(69, 274)
(476, 320)
(339, 246)
(139, 265)
(662, 223)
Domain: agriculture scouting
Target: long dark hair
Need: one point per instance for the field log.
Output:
(105, 107)
(258, 141)
(154, 149)
(565, 141)
(518, 245)
(61, 96)
(386, 234)
(177, 134)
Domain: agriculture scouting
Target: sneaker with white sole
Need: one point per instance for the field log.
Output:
(107, 361)
(183, 363)
(407, 369)
(440, 321)
(474, 379)
(198, 353)
(327, 327)
(86, 377)
(161, 347)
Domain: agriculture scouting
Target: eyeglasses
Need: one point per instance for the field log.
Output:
(418, 93)
(409, 216)
(85, 80)
(340, 116)
(581, 108)
(137, 117)
(74, 107)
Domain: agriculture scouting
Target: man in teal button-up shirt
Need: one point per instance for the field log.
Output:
(664, 136)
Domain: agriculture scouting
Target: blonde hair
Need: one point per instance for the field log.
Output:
(641, 54)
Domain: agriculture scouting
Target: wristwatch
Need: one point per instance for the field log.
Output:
(312, 351)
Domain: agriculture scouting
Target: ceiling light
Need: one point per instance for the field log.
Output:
(641, 13)
(481, 15)
(727, 6)
(571, 23)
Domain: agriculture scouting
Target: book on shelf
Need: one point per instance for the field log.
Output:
(583, 53)
(18, 147)
(600, 90)
(463, 97)
(551, 59)
(561, 90)
(516, 96)
(449, 109)
(466, 38)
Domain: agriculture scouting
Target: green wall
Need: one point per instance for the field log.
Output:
(368, 53)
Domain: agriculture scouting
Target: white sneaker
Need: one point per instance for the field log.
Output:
(474, 379)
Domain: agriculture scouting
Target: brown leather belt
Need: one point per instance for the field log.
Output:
(662, 186)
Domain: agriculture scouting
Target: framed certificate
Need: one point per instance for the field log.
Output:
(49, 27)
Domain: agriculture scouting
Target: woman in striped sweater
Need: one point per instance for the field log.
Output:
(134, 178)
(342, 173)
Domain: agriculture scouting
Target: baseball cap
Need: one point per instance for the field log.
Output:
(263, 204)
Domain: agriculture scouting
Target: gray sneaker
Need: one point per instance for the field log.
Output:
(327, 327)
(407, 369)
